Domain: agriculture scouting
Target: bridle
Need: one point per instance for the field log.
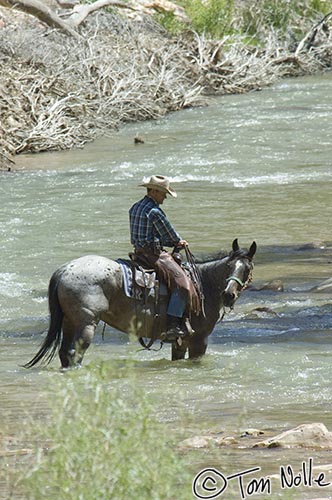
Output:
(235, 278)
(242, 284)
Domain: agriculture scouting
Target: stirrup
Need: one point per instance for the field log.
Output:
(172, 334)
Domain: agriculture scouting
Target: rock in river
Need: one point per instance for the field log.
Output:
(313, 435)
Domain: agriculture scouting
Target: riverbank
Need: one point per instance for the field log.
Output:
(59, 92)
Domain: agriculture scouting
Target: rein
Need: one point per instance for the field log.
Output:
(148, 346)
(197, 277)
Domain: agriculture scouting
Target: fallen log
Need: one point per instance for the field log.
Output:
(81, 12)
(41, 12)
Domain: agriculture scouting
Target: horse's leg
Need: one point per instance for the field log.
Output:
(197, 347)
(66, 351)
(83, 339)
(179, 352)
(75, 341)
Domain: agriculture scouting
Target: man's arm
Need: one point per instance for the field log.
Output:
(166, 232)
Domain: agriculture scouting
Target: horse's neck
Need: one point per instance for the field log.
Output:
(214, 275)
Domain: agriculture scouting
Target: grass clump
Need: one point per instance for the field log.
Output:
(214, 17)
(105, 444)
(281, 15)
(220, 18)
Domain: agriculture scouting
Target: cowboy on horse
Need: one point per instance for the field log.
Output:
(150, 232)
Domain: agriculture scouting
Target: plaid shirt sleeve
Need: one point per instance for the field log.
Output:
(164, 229)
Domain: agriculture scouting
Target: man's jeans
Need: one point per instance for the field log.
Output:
(177, 303)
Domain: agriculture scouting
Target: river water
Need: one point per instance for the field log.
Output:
(252, 167)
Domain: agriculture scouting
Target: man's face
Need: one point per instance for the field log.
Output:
(158, 196)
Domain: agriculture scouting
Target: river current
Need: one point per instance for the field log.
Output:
(252, 167)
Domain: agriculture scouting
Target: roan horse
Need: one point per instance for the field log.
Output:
(90, 289)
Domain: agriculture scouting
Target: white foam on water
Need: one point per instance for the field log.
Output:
(10, 285)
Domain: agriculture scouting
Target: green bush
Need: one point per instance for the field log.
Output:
(211, 16)
(266, 14)
(218, 18)
(281, 15)
(105, 444)
(321, 6)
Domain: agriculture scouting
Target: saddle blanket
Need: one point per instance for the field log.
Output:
(135, 292)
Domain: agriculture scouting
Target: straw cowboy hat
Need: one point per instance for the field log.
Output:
(161, 183)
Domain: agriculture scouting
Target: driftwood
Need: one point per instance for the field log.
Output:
(69, 93)
(58, 93)
(41, 12)
(80, 12)
(310, 40)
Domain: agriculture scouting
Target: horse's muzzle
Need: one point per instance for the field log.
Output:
(229, 298)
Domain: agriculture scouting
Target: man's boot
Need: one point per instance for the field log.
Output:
(174, 330)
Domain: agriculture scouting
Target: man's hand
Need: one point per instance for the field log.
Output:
(182, 243)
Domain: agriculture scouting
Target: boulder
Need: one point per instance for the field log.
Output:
(261, 312)
(252, 433)
(199, 442)
(324, 287)
(274, 286)
(314, 436)
(196, 442)
(225, 441)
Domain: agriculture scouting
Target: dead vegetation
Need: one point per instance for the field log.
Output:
(59, 91)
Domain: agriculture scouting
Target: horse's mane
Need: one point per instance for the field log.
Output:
(204, 258)
(241, 252)
(211, 257)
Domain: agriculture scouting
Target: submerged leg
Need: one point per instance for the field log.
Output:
(82, 342)
(67, 344)
(75, 341)
(197, 347)
(178, 352)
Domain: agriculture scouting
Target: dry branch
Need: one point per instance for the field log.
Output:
(41, 12)
(321, 29)
(81, 11)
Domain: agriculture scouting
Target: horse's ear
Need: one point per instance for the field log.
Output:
(235, 245)
(252, 250)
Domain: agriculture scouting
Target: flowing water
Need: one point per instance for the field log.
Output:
(253, 167)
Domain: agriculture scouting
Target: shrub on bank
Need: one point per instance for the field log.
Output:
(214, 17)
(106, 443)
(219, 18)
(297, 16)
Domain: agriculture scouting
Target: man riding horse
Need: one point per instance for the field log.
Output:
(150, 232)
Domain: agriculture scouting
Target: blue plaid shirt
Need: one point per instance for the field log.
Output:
(149, 224)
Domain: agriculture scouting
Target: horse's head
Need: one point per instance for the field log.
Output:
(240, 268)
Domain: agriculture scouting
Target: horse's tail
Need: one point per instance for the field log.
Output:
(54, 335)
